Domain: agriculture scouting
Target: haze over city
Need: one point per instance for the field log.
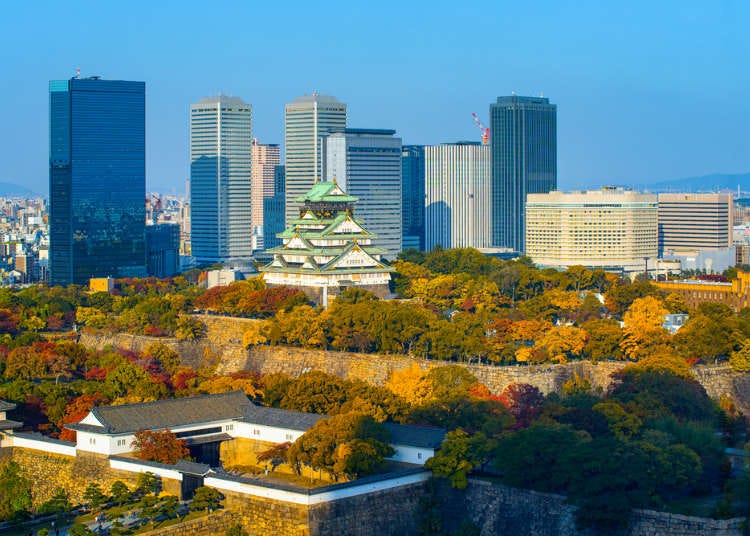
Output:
(642, 89)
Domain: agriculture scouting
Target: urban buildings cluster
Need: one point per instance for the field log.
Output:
(246, 199)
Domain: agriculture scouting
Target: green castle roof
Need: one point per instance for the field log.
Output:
(327, 192)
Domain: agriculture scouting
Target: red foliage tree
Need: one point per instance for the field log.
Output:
(160, 446)
(524, 402)
(77, 410)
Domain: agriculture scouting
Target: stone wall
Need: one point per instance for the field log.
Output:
(498, 509)
(222, 347)
(217, 523)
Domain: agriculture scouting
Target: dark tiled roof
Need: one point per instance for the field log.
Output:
(415, 436)
(10, 425)
(39, 437)
(281, 418)
(6, 406)
(171, 412)
(203, 439)
(192, 468)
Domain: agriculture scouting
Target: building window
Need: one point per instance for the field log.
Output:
(288, 437)
(419, 455)
(92, 441)
(229, 427)
(256, 431)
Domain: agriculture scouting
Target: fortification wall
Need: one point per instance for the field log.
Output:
(498, 509)
(222, 347)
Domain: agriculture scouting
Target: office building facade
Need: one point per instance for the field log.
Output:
(695, 222)
(220, 178)
(523, 141)
(265, 158)
(366, 163)
(611, 229)
(274, 208)
(457, 196)
(412, 197)
(307, 120)
(163, 249)
(97, 169)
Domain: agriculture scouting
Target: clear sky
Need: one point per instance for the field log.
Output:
(646, 90)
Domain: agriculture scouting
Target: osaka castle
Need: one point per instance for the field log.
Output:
(327, 249)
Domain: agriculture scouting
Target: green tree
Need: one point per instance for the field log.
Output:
(58, 504)
(459, 454)
(93, 496)
(236, 530)
(15, 491)
(120, 492)
(207, 499)
(147, 483)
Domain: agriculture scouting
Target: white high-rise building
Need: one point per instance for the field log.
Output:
(307, 119)
(265, 158)
(458, 208)
(367, 165)
(220, 206)
(611, 228)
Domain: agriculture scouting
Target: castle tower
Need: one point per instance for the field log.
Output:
(327, 249)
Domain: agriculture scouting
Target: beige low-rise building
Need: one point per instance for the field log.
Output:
(611, 229)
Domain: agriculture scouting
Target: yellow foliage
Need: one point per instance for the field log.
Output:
(411, 384)
(254, 334)
(224, 384)
(643, 329)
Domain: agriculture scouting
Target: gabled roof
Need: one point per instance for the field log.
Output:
(168, 413)
(327, 191)
(6, 406)
(415, 436)
(351, 249)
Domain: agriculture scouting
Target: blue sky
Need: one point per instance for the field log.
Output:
(646, 90)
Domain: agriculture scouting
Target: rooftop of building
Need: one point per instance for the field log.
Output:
(316, 97)
(222, 99)
(365, 131)
(235, 405)
(518, 99)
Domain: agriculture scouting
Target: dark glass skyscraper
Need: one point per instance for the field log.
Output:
(412, 196)
(97, 170)
(274, 208)
(523, 139)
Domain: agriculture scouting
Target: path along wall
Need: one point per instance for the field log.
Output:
(222, 347)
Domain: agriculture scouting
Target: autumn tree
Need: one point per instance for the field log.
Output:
(459, 454)
(643, 331)
(524, 402)
(350, 444)
(159, 446)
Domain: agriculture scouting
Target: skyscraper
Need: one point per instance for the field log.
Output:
(307, 119)
(412, 196)
(220, 206)
(457, 196)
(366, 163)
(523, 141)
(265, 158)
(694, 222)
(97, 170)
(273, 210)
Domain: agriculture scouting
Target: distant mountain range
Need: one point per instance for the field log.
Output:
(706, 183)
(9, 189)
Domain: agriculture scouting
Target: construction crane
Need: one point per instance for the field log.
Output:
(484, 129)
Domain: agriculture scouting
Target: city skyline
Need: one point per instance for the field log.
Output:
(623, 76)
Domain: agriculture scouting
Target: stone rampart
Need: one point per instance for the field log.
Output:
(222, 347)
(498, 509)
